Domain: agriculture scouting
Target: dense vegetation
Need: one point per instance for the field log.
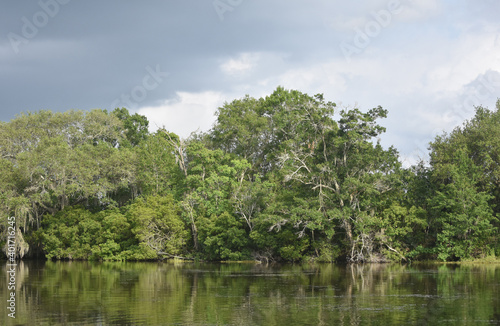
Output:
(276, 178)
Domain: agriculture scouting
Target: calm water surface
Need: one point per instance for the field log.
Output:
(84, 293)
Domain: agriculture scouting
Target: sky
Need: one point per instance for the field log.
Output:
(428, 62)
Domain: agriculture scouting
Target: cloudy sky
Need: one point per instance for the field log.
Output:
(429, 62)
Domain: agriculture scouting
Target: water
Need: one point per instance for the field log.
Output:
(85, 293)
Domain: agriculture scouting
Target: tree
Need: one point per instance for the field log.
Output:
(348, 174)
(56, 160)
(135, 126)
(464, 218)
(213, 181)
(157, 224)
(328, 175)
(276, 178)
(158, 171)
(465, 175)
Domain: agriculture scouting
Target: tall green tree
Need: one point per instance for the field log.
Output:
(135, 127)
(56, 160)
(156, 223)
(216, 212)
(464, 216)
(158, 169)
(465, 172)
(328, 175)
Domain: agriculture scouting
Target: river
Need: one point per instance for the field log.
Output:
(167, 293)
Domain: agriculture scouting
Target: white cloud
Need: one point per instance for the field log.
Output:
(426, 80)
(462, 61)
(345, 23)
(352, 18)
(244, 63)
(428, 88)
(187, 113)
(413, 11)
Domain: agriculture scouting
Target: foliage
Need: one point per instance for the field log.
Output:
(135, 127)
(156, 166)
(285, 177)
(223, 238)
(156, 223)
(463, 204)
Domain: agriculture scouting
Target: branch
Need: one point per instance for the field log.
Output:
(392, 249)
(174, 256)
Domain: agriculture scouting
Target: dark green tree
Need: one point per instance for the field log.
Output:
(135, 126)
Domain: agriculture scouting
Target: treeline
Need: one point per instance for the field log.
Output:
(275, 179)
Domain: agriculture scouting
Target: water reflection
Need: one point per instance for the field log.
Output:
(85, 293)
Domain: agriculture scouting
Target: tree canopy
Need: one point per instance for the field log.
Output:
(277, 178)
